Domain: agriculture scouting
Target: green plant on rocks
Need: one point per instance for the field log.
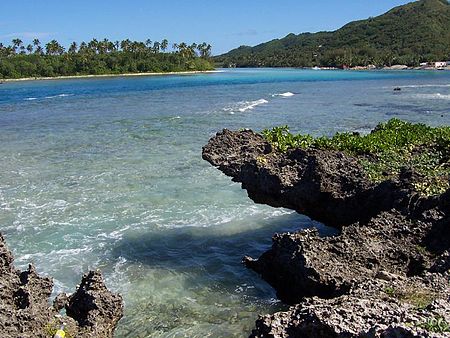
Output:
(436, 325)
(382, 153)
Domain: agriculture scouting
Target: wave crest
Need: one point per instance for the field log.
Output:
(287, 94)
(248, 105)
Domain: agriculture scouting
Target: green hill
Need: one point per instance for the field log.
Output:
(408, 34)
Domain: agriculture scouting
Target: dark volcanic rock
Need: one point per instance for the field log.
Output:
(94, 307)
(303, 264)
(328, 186)
(367, 311)
(25, 310)
(369, 280)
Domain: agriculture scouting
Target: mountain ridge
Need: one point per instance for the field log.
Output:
(408, 34)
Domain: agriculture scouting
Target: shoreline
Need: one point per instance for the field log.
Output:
(93, 76)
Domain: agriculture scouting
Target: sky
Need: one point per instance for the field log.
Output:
(225, 24)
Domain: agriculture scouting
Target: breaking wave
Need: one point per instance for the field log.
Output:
(252, 104)
(287, 94)
(59, 95)
(434, 96)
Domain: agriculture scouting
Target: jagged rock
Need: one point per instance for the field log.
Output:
(94, 307)
(367, 311)
(328, 186)
(303, 264)
(442, 263)
(25, 310)
(390, 234)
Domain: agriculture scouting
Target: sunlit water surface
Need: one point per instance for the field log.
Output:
(107, 173)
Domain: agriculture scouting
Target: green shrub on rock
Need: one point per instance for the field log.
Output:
(383, 152)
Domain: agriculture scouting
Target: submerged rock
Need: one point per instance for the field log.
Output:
(92, 311)
(391, 237)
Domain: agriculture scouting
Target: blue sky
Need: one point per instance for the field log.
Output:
(225, 24)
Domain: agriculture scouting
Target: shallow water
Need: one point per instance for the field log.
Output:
(107, 173)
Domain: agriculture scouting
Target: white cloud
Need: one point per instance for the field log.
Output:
(27, 35)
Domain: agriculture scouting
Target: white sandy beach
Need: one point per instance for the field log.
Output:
(107, 75)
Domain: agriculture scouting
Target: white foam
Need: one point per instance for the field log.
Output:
(426, 86)
(30, 98)
(287, 94)
(248, 105)
(434, 96)
(59, 95)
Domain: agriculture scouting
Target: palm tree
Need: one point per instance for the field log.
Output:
(83, 48)
(156, 47)
(204, 50)
(73, 48)
(125, 45)
(16, 44)
(182, 48)
(148, 43)
(191, 50)
(30, 48)
(37, 45)
(93, 45)
(164, 45)
(54, 48)
(103, 46)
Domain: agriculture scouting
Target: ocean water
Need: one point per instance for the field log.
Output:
(107, 173)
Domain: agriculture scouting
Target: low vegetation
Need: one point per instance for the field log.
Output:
(382, 153)
(18, 60)
(436, 325)
(420, 299)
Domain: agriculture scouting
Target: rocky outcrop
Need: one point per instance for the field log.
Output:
(304, 265)
(92, 311)
(327, 186)
(389, 234)
(375, 308)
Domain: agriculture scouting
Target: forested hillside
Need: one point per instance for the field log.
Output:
(408, 34)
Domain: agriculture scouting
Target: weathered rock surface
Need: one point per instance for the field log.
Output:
(368, 310)
(390, 234)
(92, 310)
(303, 264)
(327, 186)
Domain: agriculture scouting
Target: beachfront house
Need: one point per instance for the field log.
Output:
(423, 64)
(440, 64)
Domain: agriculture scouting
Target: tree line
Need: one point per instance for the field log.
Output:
(100, 57)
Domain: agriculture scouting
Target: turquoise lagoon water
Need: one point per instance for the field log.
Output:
(107, 173)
